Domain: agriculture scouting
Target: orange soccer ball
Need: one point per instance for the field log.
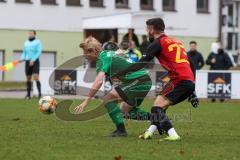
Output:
(47, 104)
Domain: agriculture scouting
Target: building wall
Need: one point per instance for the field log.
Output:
(187, 22)
(184, 21)
(234, 29)
(204, 43)
(65, 44)
(60, 27)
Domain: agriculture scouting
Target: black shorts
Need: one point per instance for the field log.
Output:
(33, 69)
(180, 92)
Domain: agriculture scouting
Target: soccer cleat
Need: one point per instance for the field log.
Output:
(146, 135)
(118, 133)
(171, 138)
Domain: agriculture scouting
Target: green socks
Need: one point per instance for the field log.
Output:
(115, 113)
(117, 116)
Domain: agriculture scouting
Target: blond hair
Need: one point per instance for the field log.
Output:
(91, 43)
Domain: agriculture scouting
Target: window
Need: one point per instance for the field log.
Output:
(146, 4)
(238, 14)
(96, 3)
(168, 5)
(48, 1)
(19, 70)
(73, 3)
(224, 20)
(121, 3)
(23, 1)
(202, 6)
(47, 59)
(230, 16)
(230, 41)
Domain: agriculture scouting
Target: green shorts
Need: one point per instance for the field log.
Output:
(134, 91)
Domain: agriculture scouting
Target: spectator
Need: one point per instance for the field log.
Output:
(195, 56)
(31, 53)
(144, 45)
(218, 60)
(111, 44)
(134, 37)
(133, 52)
(125, 45)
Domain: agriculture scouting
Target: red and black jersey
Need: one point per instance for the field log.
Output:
(174, 59)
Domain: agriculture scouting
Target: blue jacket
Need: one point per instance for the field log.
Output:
(32, 50)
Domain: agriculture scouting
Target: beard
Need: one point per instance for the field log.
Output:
(151, 38)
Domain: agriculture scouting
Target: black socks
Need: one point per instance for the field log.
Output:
(121, 127)
(160, 119)
(39, 89)
(29, 88)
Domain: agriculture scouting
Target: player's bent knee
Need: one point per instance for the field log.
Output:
(162, 102)
(125, 108)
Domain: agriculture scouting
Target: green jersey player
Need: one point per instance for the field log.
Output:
(130, 89)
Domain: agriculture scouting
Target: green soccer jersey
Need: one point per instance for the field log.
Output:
(111, 63)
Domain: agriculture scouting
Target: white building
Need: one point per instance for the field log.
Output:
(231, 26)
(62, 24)
(185, 18)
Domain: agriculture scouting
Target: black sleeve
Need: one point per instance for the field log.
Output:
(208, 61)
(201, 60)
(193, 67)
(153, 49)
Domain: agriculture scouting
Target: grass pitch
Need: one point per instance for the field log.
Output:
(210, 132)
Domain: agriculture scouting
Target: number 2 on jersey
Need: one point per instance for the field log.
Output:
(178, 53)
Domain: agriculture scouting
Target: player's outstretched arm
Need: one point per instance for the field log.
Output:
(153, 49)
(94, 89)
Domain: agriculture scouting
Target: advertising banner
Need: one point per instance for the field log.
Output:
(65, 82)
(219, 85)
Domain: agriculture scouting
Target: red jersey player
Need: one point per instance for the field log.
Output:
(173, 57)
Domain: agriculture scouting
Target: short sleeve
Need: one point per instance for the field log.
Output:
(104, 64)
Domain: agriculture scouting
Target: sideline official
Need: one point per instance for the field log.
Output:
(31, 53)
